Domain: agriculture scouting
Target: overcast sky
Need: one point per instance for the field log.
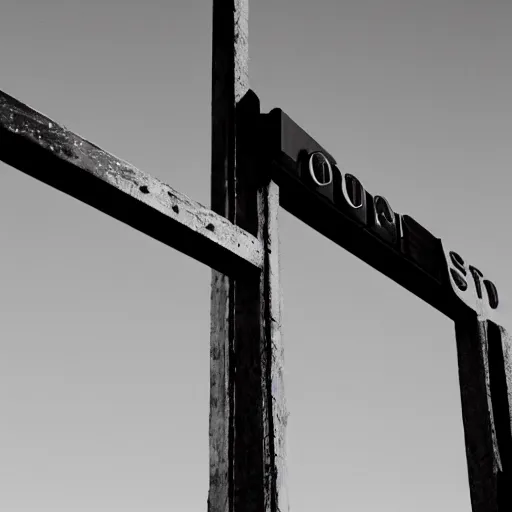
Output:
(104, 332)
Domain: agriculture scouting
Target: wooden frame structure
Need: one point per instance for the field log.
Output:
(252, 175)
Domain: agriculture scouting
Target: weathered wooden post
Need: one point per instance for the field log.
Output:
(482, 452)
(484, 368)
(247, 408)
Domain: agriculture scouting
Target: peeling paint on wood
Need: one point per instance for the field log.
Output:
(46, 150)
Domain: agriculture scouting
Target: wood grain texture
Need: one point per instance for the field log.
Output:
(229, 60)
(482, 452)
(500, 367)
(506, 344)
(247, 413)
(46, 150)
(275, 410)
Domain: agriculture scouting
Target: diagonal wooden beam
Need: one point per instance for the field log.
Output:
(49, 152)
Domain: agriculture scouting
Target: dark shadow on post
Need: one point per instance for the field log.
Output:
(501, 409)
(481, 445)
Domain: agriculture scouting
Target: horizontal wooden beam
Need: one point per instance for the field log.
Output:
(327, 220)
(47, 151)
(340, 208)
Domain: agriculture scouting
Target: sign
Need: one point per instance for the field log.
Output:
(337, 204)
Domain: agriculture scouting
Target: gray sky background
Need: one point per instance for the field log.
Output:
(104, 333)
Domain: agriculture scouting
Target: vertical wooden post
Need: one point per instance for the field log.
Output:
(500, 370)
(247, 409)
(276, 414)
(482, 452)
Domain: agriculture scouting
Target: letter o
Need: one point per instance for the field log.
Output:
(320, 169)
